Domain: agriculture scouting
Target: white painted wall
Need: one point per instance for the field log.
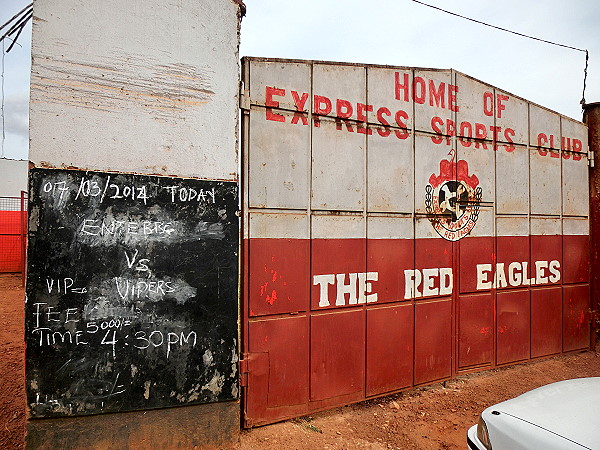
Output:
(143, 86)
(13, 177)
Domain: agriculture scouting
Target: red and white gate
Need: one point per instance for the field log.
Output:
(402, 225)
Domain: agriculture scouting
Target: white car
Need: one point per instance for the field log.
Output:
(563, 415)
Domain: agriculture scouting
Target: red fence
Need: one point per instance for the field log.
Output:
(13, 232)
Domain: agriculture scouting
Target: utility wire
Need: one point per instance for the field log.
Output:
(30, 6)
(522, 35)
(20, 29)
(18, 22)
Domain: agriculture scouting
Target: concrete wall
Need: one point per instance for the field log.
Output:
(145, 87)
(137, 86)
(14, 177)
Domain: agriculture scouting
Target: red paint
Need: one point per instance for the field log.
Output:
(337, 355)
(488, 104)
(510, 249)
(576, 259)
(472, 251)
(270, 103)
(513, 326)
(489, 101)
(500, 98)
(277, 376)
(279, 276)
(322, 105)
(390, 258)
(445, 129)
(421, 89)
(433, 341)
(432, 253)
(348, 352)
(475, 325)
(343, 109)
(576, 324)
(546, 321)
(389, 348)
(545, 248)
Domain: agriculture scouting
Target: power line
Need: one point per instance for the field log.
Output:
(30, 6)
(522, 35)
(18, 21)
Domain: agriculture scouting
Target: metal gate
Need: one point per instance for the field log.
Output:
(401, 226)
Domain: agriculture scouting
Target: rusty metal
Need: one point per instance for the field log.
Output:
(591, 117)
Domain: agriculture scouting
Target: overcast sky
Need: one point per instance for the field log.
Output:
(395, 32)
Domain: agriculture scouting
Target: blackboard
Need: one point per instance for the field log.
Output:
(132, 292)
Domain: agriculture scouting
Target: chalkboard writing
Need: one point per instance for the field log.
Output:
(131, 292)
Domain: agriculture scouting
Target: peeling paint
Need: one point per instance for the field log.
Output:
(215, 385)
(207, 358)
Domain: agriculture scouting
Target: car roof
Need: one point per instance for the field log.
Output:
(568, 408)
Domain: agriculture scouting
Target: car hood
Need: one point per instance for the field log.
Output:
(568, 408)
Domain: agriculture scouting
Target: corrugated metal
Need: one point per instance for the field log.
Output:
(404, 225)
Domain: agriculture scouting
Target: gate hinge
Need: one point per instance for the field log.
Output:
(243, 365)
(591, 159)
(244, 97)
(595, 317)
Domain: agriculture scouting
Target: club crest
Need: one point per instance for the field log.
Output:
(452, 199)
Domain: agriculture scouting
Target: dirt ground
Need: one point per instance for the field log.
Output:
(12, 362)
(436, 417)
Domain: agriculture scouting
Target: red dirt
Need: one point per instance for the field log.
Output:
(436, 417)
(12, 362)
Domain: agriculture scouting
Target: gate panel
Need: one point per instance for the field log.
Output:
(476, 253)
(512, 187)
(510, 114)
(390, 348)
(279, 268)
(476, 330)
(337, 355)
(338, 160)
(545, 186)
(389, 91)
(546, 321)
(512, 331)
(576, 322)
(432, 253)
(280, 161)
(575, 200)
(576, 258)
(278, 376)
(390, 171)
(433, 340)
